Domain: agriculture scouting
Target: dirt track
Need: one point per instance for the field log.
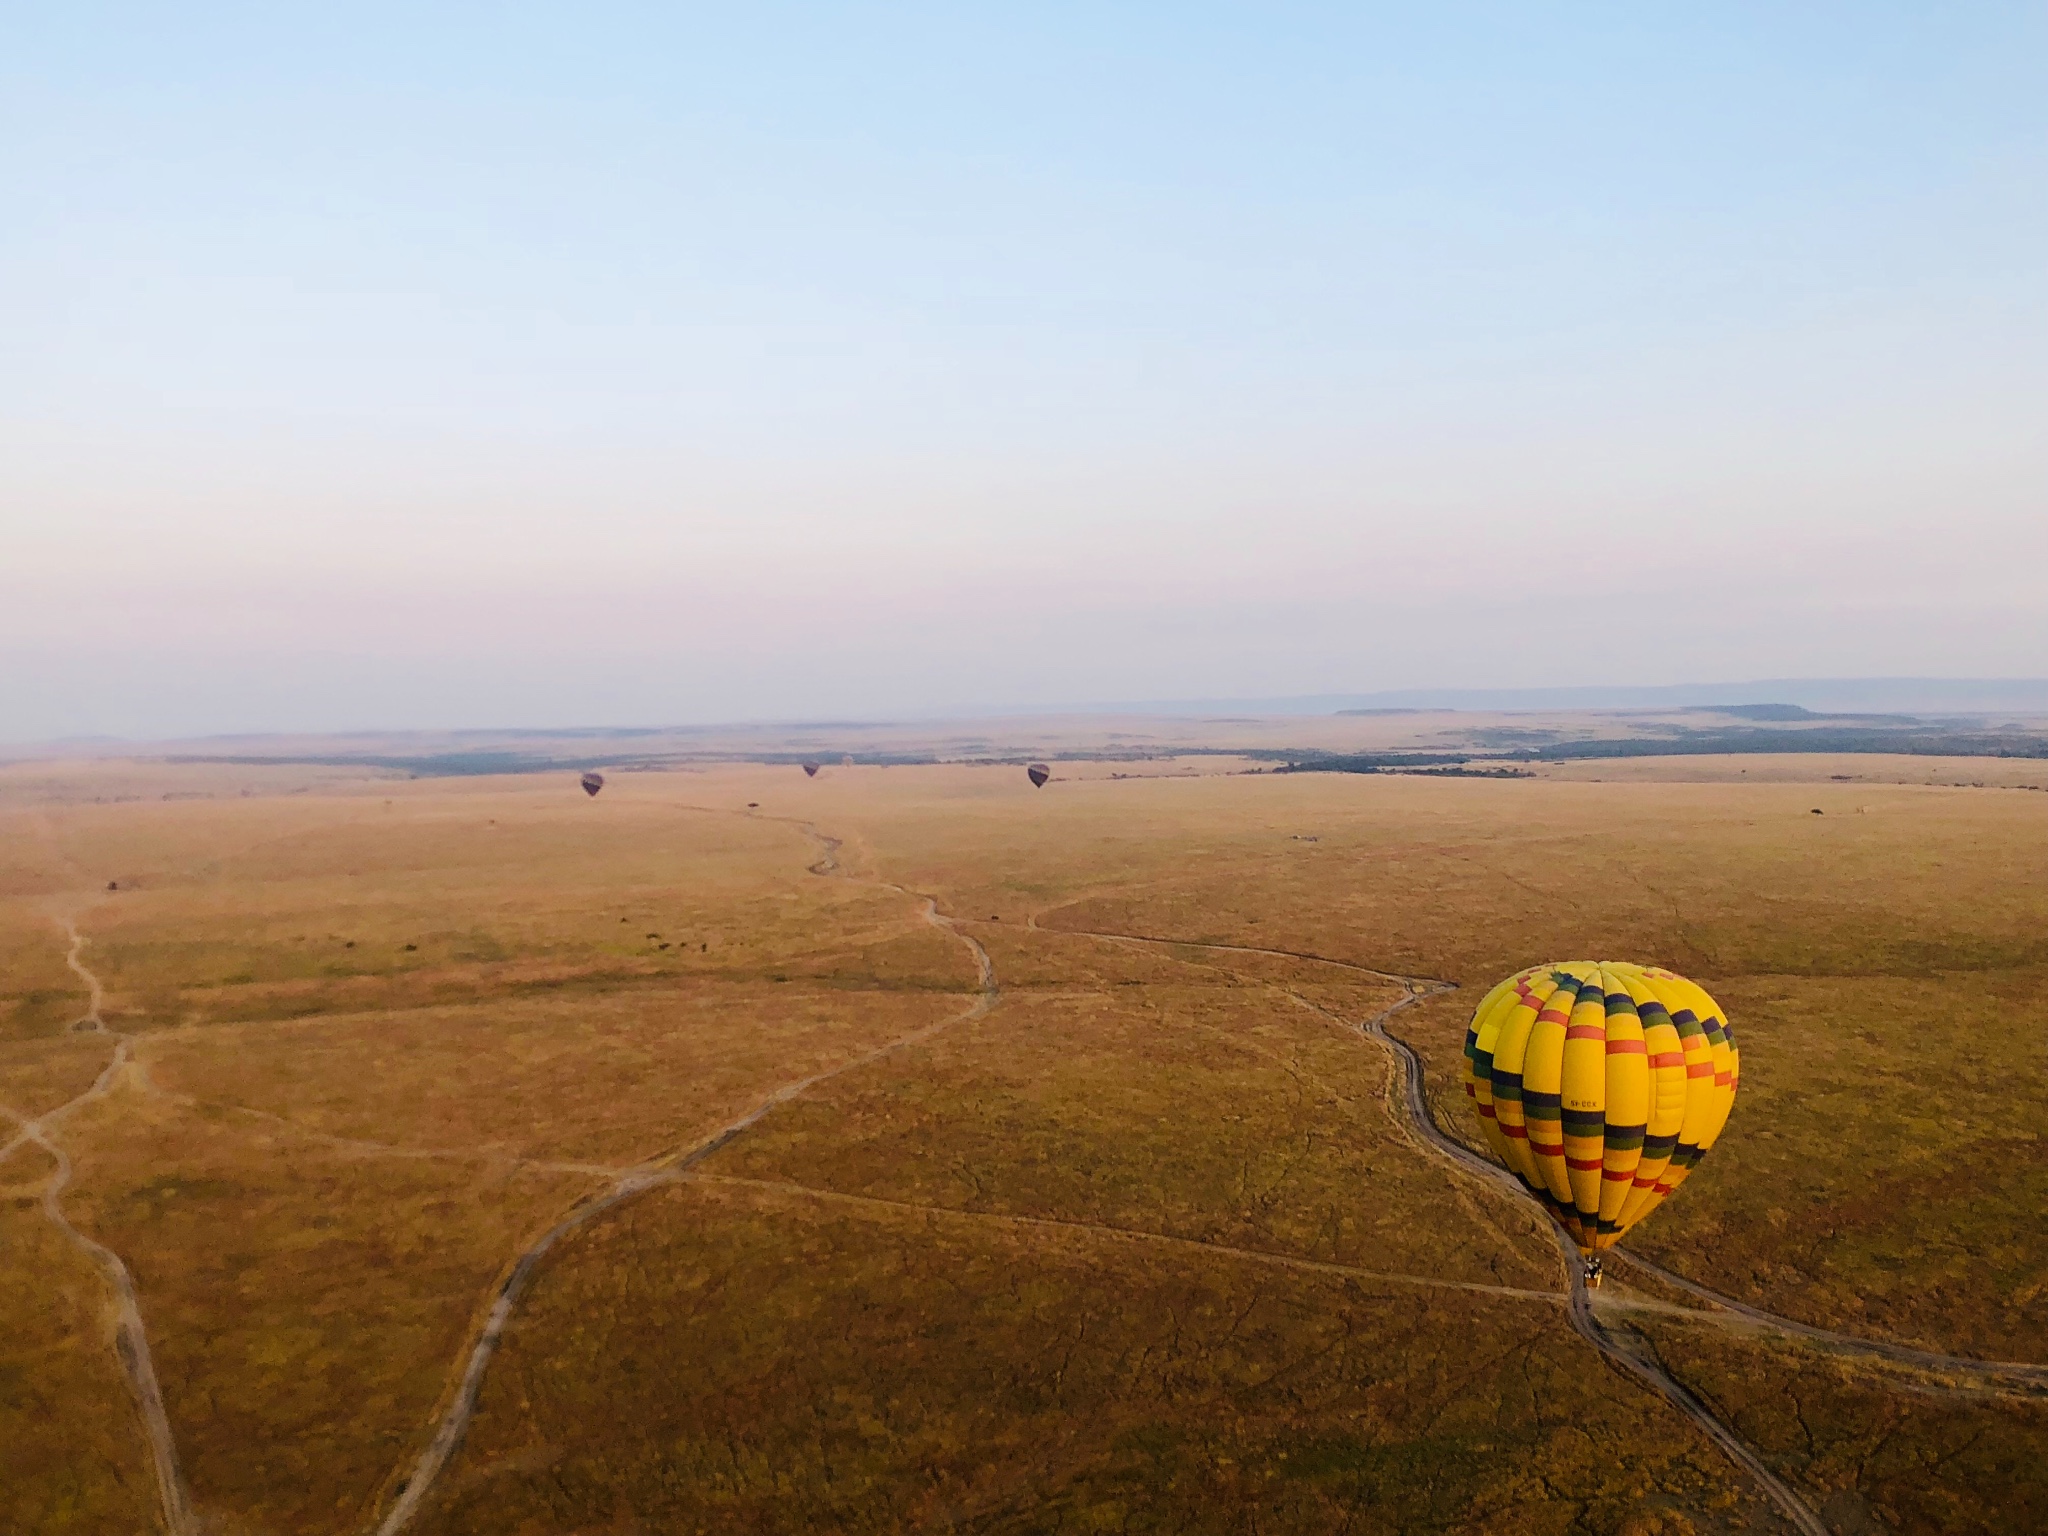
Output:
(1412, 1110)
(404, 1495)
(2025, 1377)
(1624, 1352)
(1619, 1354)
(1728, 1313)
(131, 1340)
(407, 1495)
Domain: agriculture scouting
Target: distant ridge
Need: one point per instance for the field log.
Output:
(1940, 704)
(1913, 695)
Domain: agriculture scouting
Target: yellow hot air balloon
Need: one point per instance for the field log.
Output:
(1601, 1084)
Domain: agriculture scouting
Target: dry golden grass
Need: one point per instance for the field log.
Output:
(1871, 1453)
(452, 892)
(1839, 772)
(39, 996)
(1161, 1114)
(37, 1075)
(53, 783)
(770, 1361)
(604, 1077)
(303, 1303)
(71, 1460)
(1049, 1268)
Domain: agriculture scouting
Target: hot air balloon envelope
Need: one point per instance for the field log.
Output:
(1038, 773)
(592, 783)
(1601, 1084)
(810, 770)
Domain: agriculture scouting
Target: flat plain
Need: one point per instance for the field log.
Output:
(907, 1149)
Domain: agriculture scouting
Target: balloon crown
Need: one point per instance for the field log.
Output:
(1600, 1084)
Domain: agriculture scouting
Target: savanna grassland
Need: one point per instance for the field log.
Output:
(925, 1152)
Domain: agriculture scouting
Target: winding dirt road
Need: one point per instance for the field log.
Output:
(406, 1496)
(1414, 1113)
(2026, 1377)
(1625, 1351)
(1407, 1094)
(1623, 1355)
(130, 1338)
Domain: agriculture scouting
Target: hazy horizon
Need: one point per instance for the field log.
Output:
(1935, 697)
(389, 370)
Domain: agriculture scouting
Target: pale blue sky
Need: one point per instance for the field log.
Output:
(395, 366)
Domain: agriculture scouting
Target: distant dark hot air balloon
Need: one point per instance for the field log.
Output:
(1038, 773)
(592, 783)
(810, 770)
